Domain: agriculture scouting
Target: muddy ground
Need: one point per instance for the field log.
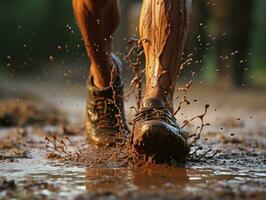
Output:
(29, 169)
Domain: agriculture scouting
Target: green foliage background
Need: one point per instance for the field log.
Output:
(32, 30)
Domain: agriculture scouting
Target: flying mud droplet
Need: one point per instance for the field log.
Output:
(133, 57)
(52, 58)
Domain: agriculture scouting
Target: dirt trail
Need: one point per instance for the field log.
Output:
(236, 172)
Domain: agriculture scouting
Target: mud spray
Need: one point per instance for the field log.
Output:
(58, 149)
(227, 175)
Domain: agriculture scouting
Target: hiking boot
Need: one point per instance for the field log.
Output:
(157, 135)
(106, 124)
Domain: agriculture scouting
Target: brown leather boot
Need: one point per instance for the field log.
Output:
(157, 135)
(106, 124)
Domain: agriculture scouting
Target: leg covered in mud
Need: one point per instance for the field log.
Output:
(163, 27)
(97, 20)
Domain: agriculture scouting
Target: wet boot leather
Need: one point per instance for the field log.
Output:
(157, 134)
(106, 124)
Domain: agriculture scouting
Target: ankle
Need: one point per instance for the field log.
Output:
(168, 101)
(101, 75)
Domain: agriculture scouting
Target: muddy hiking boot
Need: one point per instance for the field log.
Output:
(106, 124)
(157, 135)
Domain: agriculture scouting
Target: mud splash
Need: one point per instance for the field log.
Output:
(237, 171)
(45, 179)
(133, 57)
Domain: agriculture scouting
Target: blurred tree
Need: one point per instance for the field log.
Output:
(32, 32)
(18, 19)
(259, 39)
(233, 23)
(196, 47)
(241, 37)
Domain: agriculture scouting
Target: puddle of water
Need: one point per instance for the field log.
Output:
(122, 180)
(76, 180)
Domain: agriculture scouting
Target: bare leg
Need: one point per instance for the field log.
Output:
(163, 26)
(97, 20)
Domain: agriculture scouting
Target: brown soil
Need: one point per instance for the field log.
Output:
(17, 112)
(43, 156)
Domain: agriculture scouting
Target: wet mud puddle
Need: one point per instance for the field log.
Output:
(238, 171)
(68, 182)
(39, 176)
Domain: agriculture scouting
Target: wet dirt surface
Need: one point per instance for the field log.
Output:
(238, 171)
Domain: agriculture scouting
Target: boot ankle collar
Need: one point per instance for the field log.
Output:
(153, 102)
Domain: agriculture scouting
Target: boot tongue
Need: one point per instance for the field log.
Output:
(153, 102)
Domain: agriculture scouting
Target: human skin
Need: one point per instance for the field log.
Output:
(97, 21)
(163, 29)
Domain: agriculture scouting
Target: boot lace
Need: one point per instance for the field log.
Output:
(155, 113)
(103, 112)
